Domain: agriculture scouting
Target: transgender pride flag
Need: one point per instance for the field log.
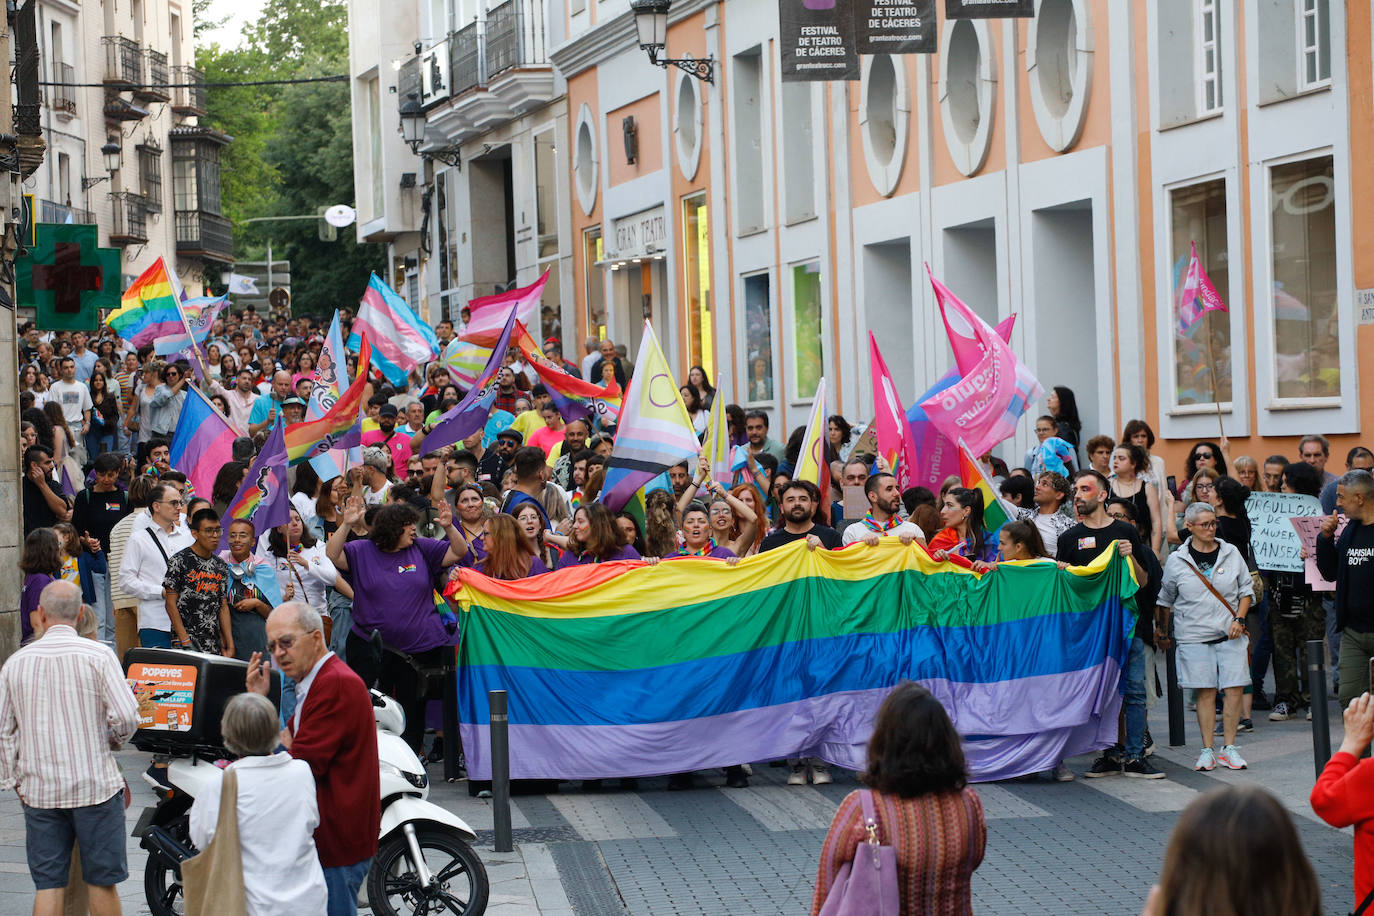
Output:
(400, 340)
(1198, 296)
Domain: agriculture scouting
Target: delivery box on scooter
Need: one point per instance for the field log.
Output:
(182, 695)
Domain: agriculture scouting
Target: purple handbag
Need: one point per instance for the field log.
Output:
(867, 886)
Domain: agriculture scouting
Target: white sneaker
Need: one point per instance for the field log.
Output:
(798, 775)
(1061, 772)
(1207, 760)
(1280, 712)
(1231, 758)
(820, 775)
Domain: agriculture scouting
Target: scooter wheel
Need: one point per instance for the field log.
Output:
(459, 884)
(162, 888)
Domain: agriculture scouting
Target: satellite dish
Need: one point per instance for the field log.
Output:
(340, 215)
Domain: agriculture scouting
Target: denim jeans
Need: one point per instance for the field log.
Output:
(343, 883)
(104, 613)
(1133, 693)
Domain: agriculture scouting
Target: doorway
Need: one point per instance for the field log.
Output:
(1065, 349)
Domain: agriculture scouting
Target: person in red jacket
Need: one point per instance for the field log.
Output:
(1344, 793)
(334, 730)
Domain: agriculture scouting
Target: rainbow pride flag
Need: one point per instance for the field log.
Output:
(338, 427)
(149, 308)
(575, 398)
(996, 512)
(695, 664)
(203, 442)
(263, 497)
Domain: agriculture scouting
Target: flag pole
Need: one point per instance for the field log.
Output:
(195, 347)
(1216, 384)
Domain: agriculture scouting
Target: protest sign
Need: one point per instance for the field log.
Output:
(1275, 541)
(1308, 528)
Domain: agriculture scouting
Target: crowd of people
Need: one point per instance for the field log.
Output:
(364, 554)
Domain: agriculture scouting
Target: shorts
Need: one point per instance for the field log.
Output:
(97, 829)
(154, 639)
(1219, 665)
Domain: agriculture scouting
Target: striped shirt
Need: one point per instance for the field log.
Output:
(939, 841)
(61, 699)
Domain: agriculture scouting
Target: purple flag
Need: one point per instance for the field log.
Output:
(470, 414)
(263, 498)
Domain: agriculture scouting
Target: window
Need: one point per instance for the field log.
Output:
(696, 267)
(1208, 61)
(592, 255)
(584, 160)
(799, 192)
(1306, 315)
(55, 51)
(546, 194)
(150, 176)
(443, 224)
(550, 304)
(758, 338)
(808, 353)
(1199, 215)
(1314, 43)
(195, 176)
(374, 118)
(748, 139)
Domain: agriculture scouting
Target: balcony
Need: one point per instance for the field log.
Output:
(408, 80)
(118, 108)
(51, 212)
(123, 61)
(130, 226)
(204, 235)
(496, 77)
(155, 89)
(63, 97)
(188, 98)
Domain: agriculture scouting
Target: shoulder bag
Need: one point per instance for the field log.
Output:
(213, 880)
(866, 886)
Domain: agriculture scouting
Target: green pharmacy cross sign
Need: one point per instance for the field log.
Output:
(67, 278)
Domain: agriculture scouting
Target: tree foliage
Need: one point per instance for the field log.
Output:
(293, 147)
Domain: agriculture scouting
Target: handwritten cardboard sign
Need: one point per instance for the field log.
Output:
(1308, 528)
(1275, 542)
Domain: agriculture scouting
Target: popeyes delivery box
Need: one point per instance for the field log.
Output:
(182, 695)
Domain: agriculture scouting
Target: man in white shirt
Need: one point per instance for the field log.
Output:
(63, 700)
(74, 396)
(884, 499)
(150, 546)
(376, 460)
(241, 399)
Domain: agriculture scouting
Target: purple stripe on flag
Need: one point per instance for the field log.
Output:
(1052, 716)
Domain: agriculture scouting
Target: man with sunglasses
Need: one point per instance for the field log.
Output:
(152, 544)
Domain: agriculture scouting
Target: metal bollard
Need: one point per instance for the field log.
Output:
(1316, 686)
(1177, 737)
(500, 770)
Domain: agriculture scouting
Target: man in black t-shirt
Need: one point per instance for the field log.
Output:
(1079, 546)
(1348, 560)
(44, 504)
(799, 499)
(95, 511)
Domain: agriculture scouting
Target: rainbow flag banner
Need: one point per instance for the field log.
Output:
(625, 669)
(338, 426)
(150, 307)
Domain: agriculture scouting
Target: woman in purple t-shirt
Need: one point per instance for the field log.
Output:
(696, 537)
(596, 538)
(41, 563)
(394, 575)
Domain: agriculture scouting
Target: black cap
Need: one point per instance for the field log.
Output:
(515, 434)
(388, 410)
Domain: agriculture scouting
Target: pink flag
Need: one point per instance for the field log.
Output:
(969, 335)
(487, 314)
(1199, 296)
(983, 406)
(894, 435)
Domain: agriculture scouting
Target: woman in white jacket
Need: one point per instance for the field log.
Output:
(1207, 585)
(303, 570)
(276, 810)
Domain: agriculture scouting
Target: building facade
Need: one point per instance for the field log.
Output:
(1057, 167)
(486, 189)
(124, 74)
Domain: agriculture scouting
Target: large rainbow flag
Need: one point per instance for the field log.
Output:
(149, 308)
(624, 669)
(338, 426)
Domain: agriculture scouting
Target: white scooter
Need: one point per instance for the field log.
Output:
(424, 862)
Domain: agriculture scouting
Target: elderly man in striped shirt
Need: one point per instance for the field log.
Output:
(63, 704)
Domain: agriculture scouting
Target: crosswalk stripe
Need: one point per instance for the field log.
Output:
(611, 816)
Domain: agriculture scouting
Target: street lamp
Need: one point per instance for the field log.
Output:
(111, 155)
(651, 20)
(413, 132)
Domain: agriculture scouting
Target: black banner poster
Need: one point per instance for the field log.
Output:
(817, 40)
(989, 9)
(895, 26)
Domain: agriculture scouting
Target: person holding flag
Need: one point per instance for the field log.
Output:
(884, 502)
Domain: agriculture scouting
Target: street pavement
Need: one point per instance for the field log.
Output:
(1086, 847)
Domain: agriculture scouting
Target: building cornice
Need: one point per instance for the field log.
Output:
(606, 39)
